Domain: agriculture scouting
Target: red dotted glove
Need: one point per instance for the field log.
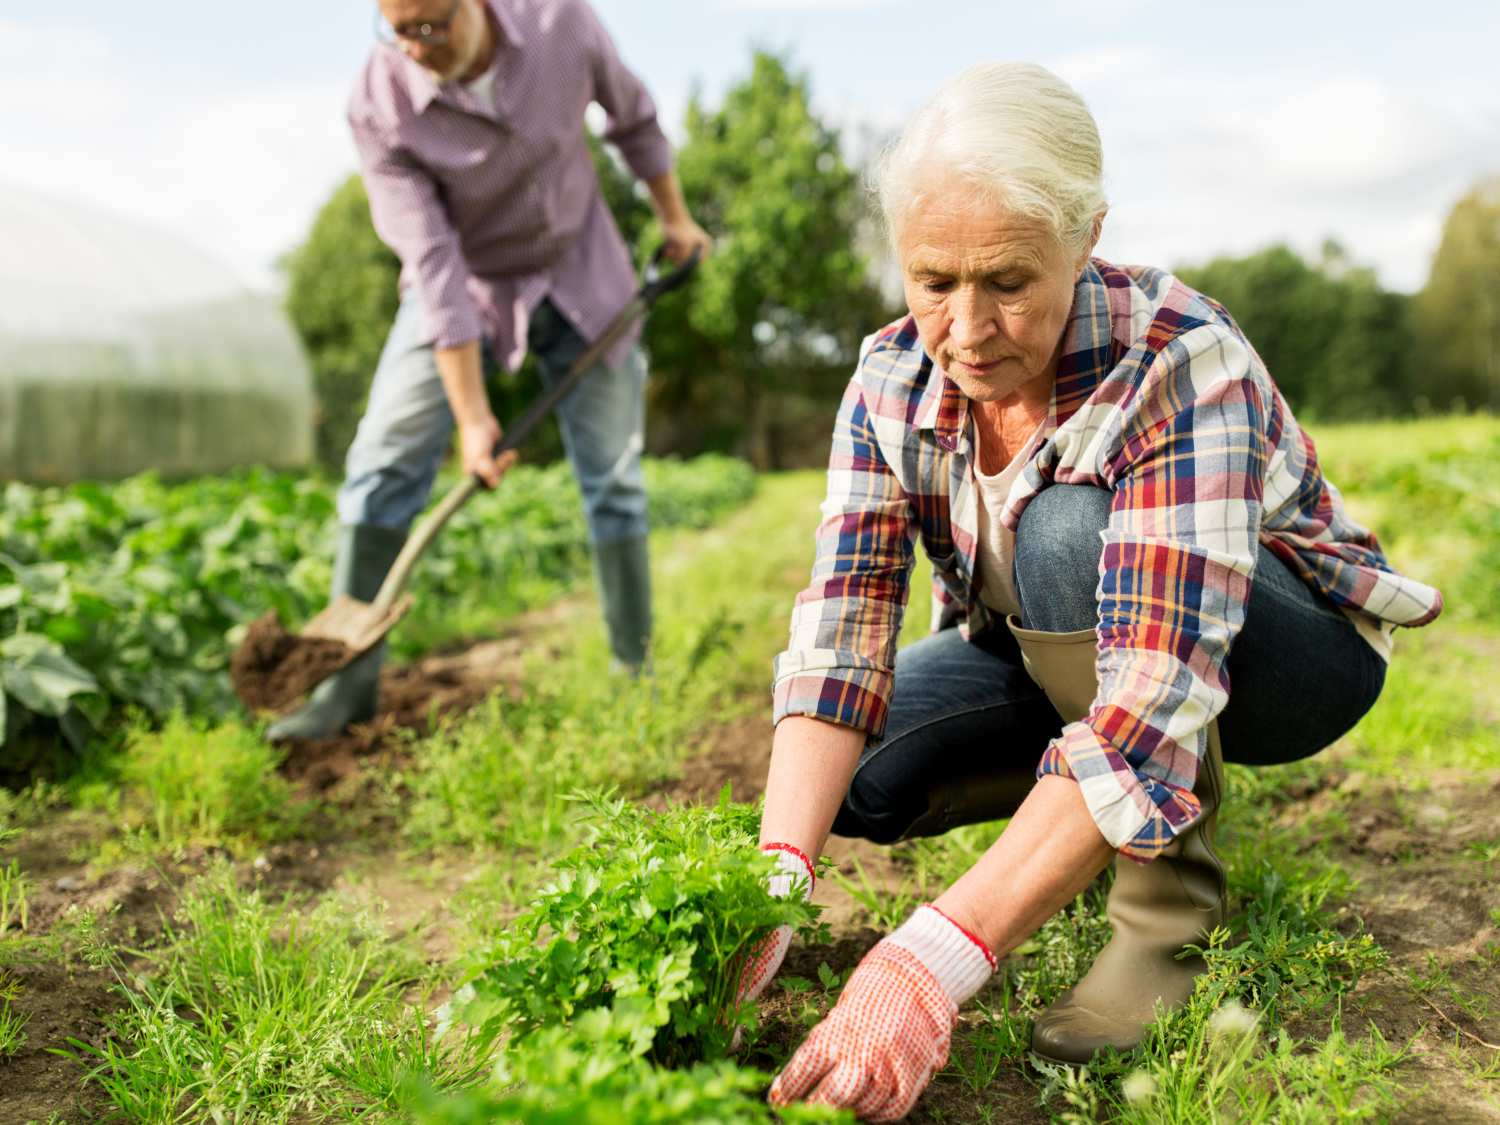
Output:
(794, 872)
(890, 1031)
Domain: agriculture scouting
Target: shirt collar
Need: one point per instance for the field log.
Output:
(425, 89)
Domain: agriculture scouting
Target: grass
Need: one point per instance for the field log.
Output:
(281, 1009)
(253, 1009)
(192, 783)
(12, 1022)
(498, 778)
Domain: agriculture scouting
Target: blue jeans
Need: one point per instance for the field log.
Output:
(1300, 675)
(407, 427)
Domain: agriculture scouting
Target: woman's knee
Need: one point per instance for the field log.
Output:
(1057, 557)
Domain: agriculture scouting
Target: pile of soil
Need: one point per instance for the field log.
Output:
(273, 669)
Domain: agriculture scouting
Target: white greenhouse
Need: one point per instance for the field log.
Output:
(123, 349)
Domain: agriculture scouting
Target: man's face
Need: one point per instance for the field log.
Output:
(446, 56)
(990, 291)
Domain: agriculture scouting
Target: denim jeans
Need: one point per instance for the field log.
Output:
(1300, 675)
(408, 425)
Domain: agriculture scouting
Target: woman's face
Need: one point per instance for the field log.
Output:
(990, 291)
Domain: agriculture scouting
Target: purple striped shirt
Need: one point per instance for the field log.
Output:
(492, 204)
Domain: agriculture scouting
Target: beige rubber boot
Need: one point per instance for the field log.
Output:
(1156, 908)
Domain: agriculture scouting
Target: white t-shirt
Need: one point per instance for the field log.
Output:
(997, 543)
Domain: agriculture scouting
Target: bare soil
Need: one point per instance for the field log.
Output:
(272, 668)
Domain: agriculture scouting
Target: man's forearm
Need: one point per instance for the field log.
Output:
(811, 764)
(1050, 851)
(666, 198)
(463, 382)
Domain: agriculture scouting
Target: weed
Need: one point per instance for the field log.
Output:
(206, 784)
(14, 889)
(12, 1022)
(252, 1008)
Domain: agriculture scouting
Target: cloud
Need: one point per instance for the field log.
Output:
(237, 171)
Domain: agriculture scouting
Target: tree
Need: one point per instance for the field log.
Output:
(1335, 342)
(1458, 311)
(757, 352)
(341, 296)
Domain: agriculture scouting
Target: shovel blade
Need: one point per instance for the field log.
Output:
(357, 625)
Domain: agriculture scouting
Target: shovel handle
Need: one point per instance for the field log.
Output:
(652, 287)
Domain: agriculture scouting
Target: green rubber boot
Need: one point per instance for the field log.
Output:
(1155, 908)
(365, 554)
(624, 570)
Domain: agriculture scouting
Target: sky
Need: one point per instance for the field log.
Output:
(1226, 126)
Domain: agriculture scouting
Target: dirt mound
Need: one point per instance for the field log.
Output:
(414, 699)
(273, 669)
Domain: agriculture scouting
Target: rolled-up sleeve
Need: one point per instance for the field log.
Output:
(839, 664)
(410, 219)
(1174, 582)
(632, 126)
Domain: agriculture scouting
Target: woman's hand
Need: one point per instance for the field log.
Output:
(890, 1031)
(794, 875)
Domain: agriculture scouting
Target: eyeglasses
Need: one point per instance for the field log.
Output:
(430, 33)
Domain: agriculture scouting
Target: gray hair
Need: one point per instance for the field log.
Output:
(1017, 135)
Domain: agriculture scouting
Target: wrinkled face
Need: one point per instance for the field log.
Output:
(990, 291)
(448, 56)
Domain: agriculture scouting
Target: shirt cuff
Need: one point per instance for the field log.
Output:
(1137, 815)
(850, 697)
(647, 157)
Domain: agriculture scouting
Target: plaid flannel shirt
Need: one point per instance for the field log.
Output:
(1161, 400)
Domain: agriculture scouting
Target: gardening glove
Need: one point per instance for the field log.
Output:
(794, 873)
(890, 1030)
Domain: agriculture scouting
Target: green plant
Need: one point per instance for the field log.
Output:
(135, 594)
(254, 1009)
(12, 1023)
(201, 784)
(646, 925)
(583, 1076)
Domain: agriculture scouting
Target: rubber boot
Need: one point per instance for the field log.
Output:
(1155, 908)
(365, 553)
(624, 570)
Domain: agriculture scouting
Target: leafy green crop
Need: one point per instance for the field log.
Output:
(624, 968)
(645, 928)
(564, 1076)
(135, 593)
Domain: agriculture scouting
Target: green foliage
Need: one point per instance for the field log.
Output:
(1458, 311)
(341, 297)
(775, 316)
(254, 1010)
(641, 935)
(1337, 344)
(564, 1077)
(134, 593)
(12, 1022)
(204, 784)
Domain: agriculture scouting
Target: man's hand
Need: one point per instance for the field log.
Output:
(681, 238)
(680, 235)
(891, 1029)
(476, 442)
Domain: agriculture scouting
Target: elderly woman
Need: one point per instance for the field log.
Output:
(1140, 571)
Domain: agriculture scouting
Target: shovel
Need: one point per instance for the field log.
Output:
(358, 625)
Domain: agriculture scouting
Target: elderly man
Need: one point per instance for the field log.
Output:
(1144, 566)
(468, 118)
